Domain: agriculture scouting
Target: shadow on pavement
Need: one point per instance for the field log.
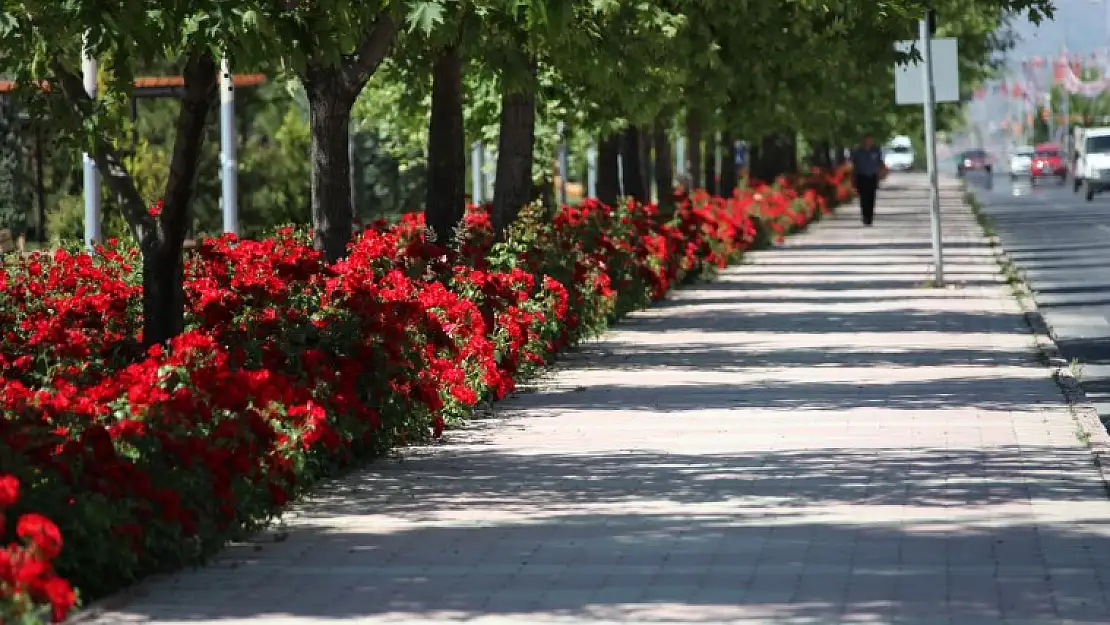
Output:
(794, 537)
(859, 522)
(817, 322)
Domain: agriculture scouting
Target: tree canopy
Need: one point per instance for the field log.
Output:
(418, 81)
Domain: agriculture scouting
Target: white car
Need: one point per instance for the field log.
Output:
(898, 154)
(1021, 161)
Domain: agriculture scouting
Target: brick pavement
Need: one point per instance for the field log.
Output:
(814, 438)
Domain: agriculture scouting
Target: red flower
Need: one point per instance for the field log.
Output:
(42, 532)
(61, 596)
(291, 365)
(9, 491)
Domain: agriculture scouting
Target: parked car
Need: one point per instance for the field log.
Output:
(1048, 162)
(898, 154)
(1021, 161)
(973, 160)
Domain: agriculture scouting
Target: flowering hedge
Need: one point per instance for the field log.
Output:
(30, 591)
(291, 368)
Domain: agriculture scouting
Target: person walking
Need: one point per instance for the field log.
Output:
(867, 166)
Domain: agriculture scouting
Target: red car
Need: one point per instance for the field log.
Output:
(1048, 162)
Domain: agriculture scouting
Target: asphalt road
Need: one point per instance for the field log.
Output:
(1062, 244)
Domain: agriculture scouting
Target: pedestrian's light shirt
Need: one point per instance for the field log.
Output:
(867, 161)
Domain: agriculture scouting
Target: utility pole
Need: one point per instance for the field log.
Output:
(925, 28)
(563, 160)
(92, 176)
(229, 161)
(477, 176)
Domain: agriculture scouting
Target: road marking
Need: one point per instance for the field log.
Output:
(1077, 319)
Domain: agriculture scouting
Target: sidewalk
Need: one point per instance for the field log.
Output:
(814, 438)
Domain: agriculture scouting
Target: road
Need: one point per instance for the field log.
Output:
(1062, 244)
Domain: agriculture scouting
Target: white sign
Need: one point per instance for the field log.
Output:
(909, 83)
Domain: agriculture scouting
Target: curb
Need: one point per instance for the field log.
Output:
(1090, 429)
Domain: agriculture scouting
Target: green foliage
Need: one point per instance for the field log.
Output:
(65, 223)
(274, 172)
(390, 176)
(818, 68)
(149, 165)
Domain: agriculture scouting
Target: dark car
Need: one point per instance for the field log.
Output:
(973, 160)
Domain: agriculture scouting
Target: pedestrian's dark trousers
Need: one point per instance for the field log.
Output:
(866, 186)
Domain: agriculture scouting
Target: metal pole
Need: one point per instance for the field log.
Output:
(1050, 123)
(620, 175)
(680, 155)
(229, 163)
(562, 151)
(591, 170)
(40, 185)
(718, 159)
(489, 158)
(352, 167)
(476, 175)
(931, 148)
(92, 176)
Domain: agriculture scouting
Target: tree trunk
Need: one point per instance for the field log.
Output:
(163, 292)
(664, 172)
(544, 192)
(778, 155)
(446, 186)
(332, 88)
(163, 266)
(608, 169)
(645, 162)
(790, 140)
(819, 154)
(728, 165)
(693, 150)
(330, 126)
(763, 167)
(710, 160)
(633, 169)
(513, 187)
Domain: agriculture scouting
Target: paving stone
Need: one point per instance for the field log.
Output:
(816, 437)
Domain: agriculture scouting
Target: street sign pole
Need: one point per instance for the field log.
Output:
(931, 148)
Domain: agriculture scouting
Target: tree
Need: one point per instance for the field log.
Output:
(42, 47)
(332, 86)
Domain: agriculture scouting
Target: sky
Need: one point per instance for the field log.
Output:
(1081, 25)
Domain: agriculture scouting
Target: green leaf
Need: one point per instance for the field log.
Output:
(425, 16)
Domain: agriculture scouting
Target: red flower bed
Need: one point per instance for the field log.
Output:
(30, 591)
(290, 368)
